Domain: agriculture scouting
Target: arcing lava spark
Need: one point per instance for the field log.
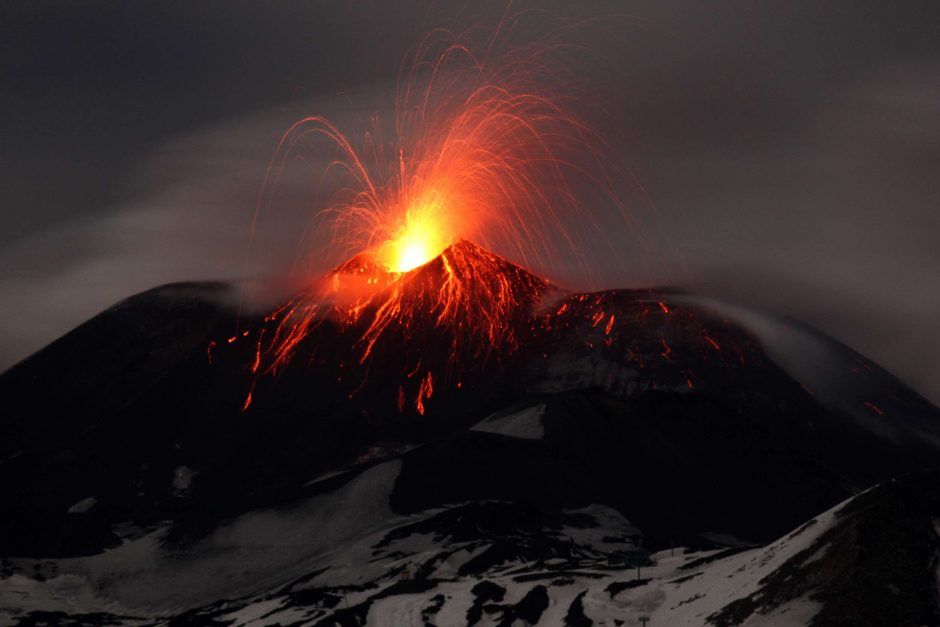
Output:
(485, 147)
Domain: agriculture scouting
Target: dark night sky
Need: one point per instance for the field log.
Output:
(792, 149)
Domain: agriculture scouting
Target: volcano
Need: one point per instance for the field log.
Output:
(465, 444)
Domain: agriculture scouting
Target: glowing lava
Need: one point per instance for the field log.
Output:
(485, 148)
(485, 145)
(422, 237)
(477, 299)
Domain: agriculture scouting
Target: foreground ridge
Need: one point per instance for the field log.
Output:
(632, 453)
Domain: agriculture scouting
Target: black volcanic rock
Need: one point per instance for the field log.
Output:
(877, 565)
(611, 426)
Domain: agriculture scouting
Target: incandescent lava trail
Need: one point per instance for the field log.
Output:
(485, 147)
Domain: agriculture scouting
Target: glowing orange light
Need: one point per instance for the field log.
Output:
(485, 148)
(423, 236)
(874, 408)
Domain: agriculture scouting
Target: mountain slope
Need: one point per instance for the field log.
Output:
(595, 429)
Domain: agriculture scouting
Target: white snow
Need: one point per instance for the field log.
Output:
(276, 545)
(613, 531)
(255, 613)
(403, 609)
(64, 593)
(672, 597)
(796, 613)
(259, 549)
(719, 583)
(183, 479)
(83, 506)
(525, 424)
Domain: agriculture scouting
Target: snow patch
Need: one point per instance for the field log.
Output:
(256, 550)
(183, 479)
(525, 424)
(83, 506)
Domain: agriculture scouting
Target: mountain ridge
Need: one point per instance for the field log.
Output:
(670, 423)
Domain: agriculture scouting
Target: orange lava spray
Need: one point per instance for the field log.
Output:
(485, 147)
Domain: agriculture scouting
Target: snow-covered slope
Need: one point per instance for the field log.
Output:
(623, 429)
(496, 563)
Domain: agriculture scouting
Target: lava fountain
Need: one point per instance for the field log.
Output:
(485, 147)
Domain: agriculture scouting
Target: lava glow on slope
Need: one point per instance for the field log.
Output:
(474, 299)
(485, 147)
